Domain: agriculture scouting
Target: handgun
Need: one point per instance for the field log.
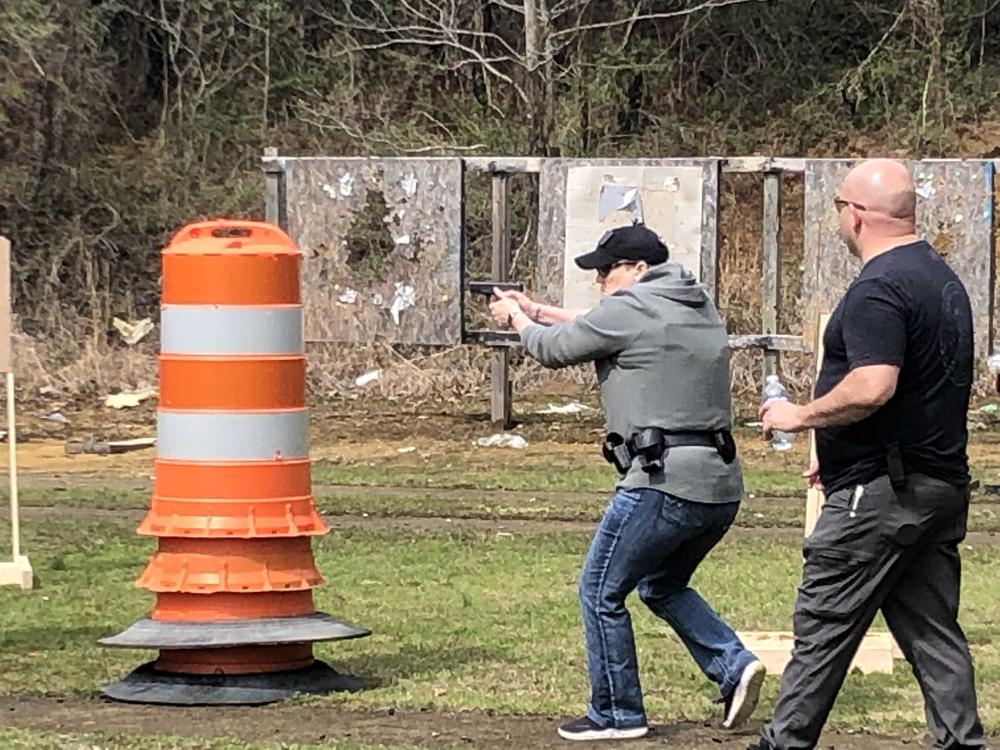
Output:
(486, 287)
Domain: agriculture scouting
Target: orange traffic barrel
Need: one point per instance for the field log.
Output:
(232, 508)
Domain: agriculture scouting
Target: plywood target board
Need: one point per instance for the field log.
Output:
(382, 247)
(678, 199)
(667, 199)
(954, 214)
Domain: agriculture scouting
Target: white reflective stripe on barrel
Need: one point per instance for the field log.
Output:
(244, 436)
(211, 329)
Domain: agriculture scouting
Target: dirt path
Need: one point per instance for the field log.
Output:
(318, 722)
(417, 524)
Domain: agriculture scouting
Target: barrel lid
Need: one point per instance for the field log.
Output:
(230, 237)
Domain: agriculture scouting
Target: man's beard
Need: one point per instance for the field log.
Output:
(850, 243)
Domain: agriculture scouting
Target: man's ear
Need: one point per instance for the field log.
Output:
(856, 215)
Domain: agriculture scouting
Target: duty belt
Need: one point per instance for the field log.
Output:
(651, 444)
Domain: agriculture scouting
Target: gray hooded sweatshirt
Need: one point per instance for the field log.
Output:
(662, 358)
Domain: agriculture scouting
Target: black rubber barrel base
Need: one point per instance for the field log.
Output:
(147, 685)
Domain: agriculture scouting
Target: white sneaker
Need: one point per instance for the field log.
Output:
(742, 701)
(585, 729)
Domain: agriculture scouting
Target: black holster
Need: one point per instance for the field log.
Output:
(725, 444)
(617, 452)
(649, 446)
(894, 463)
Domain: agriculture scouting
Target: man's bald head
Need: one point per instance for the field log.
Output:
(882, 186)
(877, 207)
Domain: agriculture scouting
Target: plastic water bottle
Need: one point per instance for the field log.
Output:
(775, 391)
(993, 363)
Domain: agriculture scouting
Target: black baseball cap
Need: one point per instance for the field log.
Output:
(634, 243)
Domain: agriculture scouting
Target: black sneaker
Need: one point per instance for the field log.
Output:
(742, 701)
(585, 729)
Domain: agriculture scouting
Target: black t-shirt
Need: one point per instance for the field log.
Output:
(906, 308)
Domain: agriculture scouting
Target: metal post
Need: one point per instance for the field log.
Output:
(500, 387)
(770, 265)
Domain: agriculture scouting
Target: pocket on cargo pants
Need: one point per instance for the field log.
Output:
(845, 556)
(835, 582)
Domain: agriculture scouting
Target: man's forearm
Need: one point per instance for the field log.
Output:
(853, 399)
(834, 410)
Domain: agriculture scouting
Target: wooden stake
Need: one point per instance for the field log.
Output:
(814, 497)
(17, 572)
(770, 265)
(500, 389)
(15, 522)
(272, 189)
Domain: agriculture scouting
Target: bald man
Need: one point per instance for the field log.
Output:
(890, 419)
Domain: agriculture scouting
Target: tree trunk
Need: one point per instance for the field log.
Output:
(535, 85)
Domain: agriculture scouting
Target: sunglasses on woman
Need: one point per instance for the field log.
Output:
(603, 271)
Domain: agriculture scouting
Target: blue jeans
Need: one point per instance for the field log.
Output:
(653, 541)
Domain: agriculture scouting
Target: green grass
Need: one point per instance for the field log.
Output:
(27, 739)
(524, 475)
(460, 621)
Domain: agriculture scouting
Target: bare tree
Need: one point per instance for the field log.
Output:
(528, 52)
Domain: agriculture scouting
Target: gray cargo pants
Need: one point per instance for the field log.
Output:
(898, 552)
